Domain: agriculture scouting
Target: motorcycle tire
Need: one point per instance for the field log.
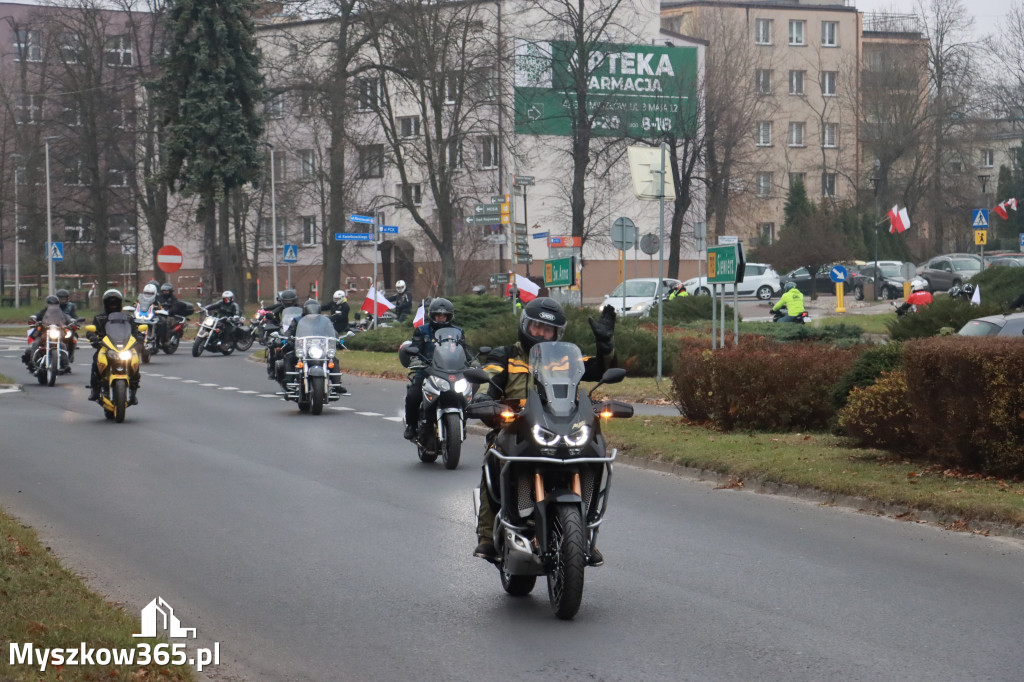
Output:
(145, 356)
(227, 348)
(197, 348)
(303, 407)
(451, 448)
(244, 344)
(425, 456)
(53, 369)
(318, 395)
(120, 399)
(41, 376)
(565, 579)
(171, 345)
(517, 585)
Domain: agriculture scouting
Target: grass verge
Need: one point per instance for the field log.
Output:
(46, 605)
(825, 463)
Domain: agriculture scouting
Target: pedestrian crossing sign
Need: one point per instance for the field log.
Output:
(291, 253)
(55, 250)
(979, 218)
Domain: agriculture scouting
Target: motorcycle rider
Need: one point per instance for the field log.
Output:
(276, 347)
(51, 314)
(793, 300)
(64, 296)
(146, 298)
(286, 299)
(338, 309)
(402, 301)
(113, 302)
(440, 315)
(542, 319)
(227, 308)
(310, 307)
(920, 296)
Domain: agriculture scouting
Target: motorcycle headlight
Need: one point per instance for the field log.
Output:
(112, 354)
(53, 333)
(578, 437)
(441, 384)
(210, 321)
(315, 352)
(461, 386)
(543, 436)
(125, 355)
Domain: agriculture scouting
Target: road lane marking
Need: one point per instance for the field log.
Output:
(400, 420)
(189, 381)
(370, 414)
(248, 392)
(227, 388)
(207, 384)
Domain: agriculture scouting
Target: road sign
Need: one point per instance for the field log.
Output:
(128, 249)
(361, 219)
(169, 258)
(838, 274)
(565, 241)
(291, 254)
(623, 234)
(505, 207)
(353, 236)
(1022, 241)
(488, 208)
(650, 243)
(499, 198)
(725, 240)
(389, 229)
(979, 218)
(488, 219)
(560, 272)
(980, 237)
(56, 250)
(524, 260)
(522, 180)
(544, 235)
(520, 230)
(723, 264)
(499, 278)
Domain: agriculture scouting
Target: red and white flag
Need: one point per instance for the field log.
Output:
(421, 315)
(383, 304)
(527, 289)
(1000, 209)
(899, 219)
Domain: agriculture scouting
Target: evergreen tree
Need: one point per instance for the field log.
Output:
(209, 97)
(798, 206)
(1010, 185)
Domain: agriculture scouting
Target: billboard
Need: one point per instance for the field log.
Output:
(634, 91)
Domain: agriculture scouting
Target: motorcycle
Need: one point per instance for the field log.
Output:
(148, 318)
(802, 318)
(52, 357)
(553, 475)
(117, 361)
(316, 378)
(215, 335)
(446, 393)
(175, 326)
(262, 326)
(278, 345)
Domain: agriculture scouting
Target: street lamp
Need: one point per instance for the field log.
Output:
(273, 212)
(16, 158)
(876, 183)
(49, 223)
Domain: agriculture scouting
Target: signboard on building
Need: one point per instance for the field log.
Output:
(635, 90)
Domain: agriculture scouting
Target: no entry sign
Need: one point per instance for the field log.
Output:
(168, 258)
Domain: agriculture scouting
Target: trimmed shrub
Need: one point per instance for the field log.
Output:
(879, 415)
(866, 370)
(382, 340)
(999, 285)
(683, 309)
(929, 320)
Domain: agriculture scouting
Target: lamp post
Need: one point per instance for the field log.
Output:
(49, 223)
(983, 179)
(17, 236)
(876, 182)
(273, 212)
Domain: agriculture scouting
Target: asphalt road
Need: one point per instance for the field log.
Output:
(318, 548)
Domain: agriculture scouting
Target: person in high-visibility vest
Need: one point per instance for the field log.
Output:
(678, 292)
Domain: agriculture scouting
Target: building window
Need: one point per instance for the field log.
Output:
(763, 81)
(371, 161)
(763, 184)
(371, 92)
(988, 158)
(764, 134)
(452, 85)
(828, 185)
(956, 167)
(796, 82)
(70, 48)
(27, 47)
(28, 109)
(409, 126)
(796, 134)
(453, 154)
(74, 173)
(767, 231)
(763, 31)
(830, 34)
(121, 228)
(275, 106)
(307, 163)
(830, 135)
(280, 167)
(489, 148)
(412, 194)
(78, 228)
(117, 177)
(797, 178)
(796, 31)
(309, 231)
(1016, 159)
(118, 51)
(828, 83)
(71, 113)
(306, 100)
(266, 230)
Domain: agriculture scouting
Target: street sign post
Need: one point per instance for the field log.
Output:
(389, 229)
(361, 219)
(499, 278)
(560, 272)
(290, 254)
(522, 180)
(723, 264)
(353, 236)
(623, 234)
(56, 250)
(979, 218)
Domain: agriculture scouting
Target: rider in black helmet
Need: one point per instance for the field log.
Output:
(542, 319)
(51, 314)
(113, 302)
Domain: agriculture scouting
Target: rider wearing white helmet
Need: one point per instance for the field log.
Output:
(402, 301)
(338, 310)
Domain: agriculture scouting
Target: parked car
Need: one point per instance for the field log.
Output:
(995, 325)
(891, 282)
(759, 279)
(823, 280)
(1006, 261)
(950, 270)
(641, 295)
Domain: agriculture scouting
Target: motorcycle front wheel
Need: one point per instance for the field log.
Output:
(565, 580)
(197, 348)
(317, 395)
(451, 448)
(53, 368)
(120, 399)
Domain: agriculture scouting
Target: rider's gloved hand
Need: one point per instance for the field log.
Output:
(603, 329)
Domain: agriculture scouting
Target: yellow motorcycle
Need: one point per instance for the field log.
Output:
(117, 362)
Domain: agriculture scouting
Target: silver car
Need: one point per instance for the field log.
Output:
(951, 270)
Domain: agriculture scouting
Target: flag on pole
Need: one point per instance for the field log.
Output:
(527, 289)
(1000, 209)
(421, 315)
(383, 304)
(899, 219)
(976, 298)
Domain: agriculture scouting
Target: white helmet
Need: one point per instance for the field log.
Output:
(918, 285)
(149, 289)
(400, 286)
(339, 296)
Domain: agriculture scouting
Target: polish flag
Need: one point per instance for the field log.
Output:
(899, 219)
(421, 315)
(527, 289)
(1000, 209)
(383, 304)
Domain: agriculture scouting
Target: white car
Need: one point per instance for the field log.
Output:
(641, 295)
(759, 279)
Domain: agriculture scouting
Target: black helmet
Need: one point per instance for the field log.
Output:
(63, 295)
(538, 317)
(52, 300)
(968, 290)
(112, 301)
(289, 297)
(479, 290)
(311, 307)
(166, 288)
(954, 291)
(438, 307)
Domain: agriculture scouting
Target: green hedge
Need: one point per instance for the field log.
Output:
(944, 313)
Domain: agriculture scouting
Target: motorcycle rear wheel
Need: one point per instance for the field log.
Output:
(451, 448)
(565, 580)
(120, 399)
(172, 344)
(245, 343)
(227, 348)
(317, 397)
(517, 585)
(146, 355)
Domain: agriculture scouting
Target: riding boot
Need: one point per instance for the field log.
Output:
(133, 398)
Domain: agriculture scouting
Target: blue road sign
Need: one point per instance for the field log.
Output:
(979, 218)
(291, 253)
(838, 274)
(540, 235)
(361, 219)
(389, 229)
(1022, 241)
(353, 236)
(56, 250)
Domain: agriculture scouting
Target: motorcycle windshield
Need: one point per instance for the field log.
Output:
(315, 332)
(448, 353)
(146, 300)
(289, 314)
(119, 329)
(556, 368)
(315, 325)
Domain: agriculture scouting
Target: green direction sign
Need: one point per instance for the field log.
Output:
(499, 278)
(484, 219)
(560, 272)
(723, 264)
(632, 90)
(488, 208)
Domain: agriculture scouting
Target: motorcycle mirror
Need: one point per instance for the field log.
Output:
(477, 376)
(484, 350)
(612, 375)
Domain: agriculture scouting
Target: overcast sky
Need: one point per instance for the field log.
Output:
(987, 13)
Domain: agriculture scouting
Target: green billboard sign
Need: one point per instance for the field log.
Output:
(723, 264)
(632, 90)
(560, 272)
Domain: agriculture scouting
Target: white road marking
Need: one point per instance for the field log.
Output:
(189, 381)
(400, 420)
(370, 414)
(268, 395)
(248, 392)
(207, 384)
(227, 388)
(171, 378)
(339, 408)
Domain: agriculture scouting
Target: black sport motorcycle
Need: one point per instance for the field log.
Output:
(553, 475)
